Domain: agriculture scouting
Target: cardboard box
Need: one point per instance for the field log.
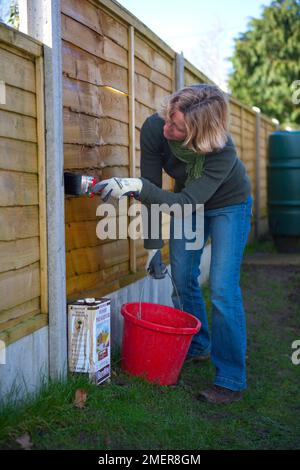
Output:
(89, 338)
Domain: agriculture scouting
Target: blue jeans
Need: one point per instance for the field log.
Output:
(228, 227)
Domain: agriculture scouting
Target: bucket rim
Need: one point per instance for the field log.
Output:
(161, 328)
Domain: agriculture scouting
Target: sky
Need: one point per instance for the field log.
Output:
(204, 30)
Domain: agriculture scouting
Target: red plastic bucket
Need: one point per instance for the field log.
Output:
(155, 342)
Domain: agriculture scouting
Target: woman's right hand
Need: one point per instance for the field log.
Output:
(154, 265)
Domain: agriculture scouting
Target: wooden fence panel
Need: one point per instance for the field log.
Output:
(243, 130)
(23, 268)
(116, 73)
(98, 137)
(154, 80)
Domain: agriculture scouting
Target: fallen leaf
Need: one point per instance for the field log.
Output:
(25, 442)
(80, 398)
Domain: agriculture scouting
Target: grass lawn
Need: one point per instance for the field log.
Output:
(129, 413)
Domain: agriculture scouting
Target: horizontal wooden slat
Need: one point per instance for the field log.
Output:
(20, 41)
(19, 253)
(24, 328)
(17, 71)
(8, 324)
(117, 11)
(236, 138)
(92, 42)
(84, 66)
(5, 326)
(84, 234)
(19, 286)
(235, 130)
(200, 77)
(79, 209)
(83, 129)
(18, 222)
(18, 189)
(80, 156)
(249, 116)
(18, 155)
(14, 314)
(235, 109)
(236, 124)
(190, 79)
(92, 259)
(119, 171)
(248, 127)
(18, 127)
(148, 93)
(155, 77)
(236, 121)
(249, 151)
(19, 101)
(243, 106)
(81, 234)
(149, 55)
(96, 19)
(94, 100)
(96, 282)
(141, 114)
(83, 12)
(111, 280)
(249, 140)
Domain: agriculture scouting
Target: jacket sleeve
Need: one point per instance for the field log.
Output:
(151, 172)
(216, 169)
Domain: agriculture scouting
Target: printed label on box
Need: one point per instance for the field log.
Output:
(89, 338)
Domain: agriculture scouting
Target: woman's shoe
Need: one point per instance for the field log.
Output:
(217, 395)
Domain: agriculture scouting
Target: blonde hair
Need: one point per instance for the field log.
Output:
(206, 115)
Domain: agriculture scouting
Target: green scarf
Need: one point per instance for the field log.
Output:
(194, 161)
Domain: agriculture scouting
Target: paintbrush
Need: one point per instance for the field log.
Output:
(79, 185)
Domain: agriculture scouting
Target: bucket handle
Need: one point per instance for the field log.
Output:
(139, 315)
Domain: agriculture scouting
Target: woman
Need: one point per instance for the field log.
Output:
(190, 141)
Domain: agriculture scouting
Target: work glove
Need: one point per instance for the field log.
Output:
(154, 265)
(118, 187)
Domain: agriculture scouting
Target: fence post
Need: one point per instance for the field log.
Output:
(44, 24)
(257, 172)
(179, 71)
(132, 159)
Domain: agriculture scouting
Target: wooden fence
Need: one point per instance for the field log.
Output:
(250, 131)
(23, 253)
(114, 77)
(116, 73)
